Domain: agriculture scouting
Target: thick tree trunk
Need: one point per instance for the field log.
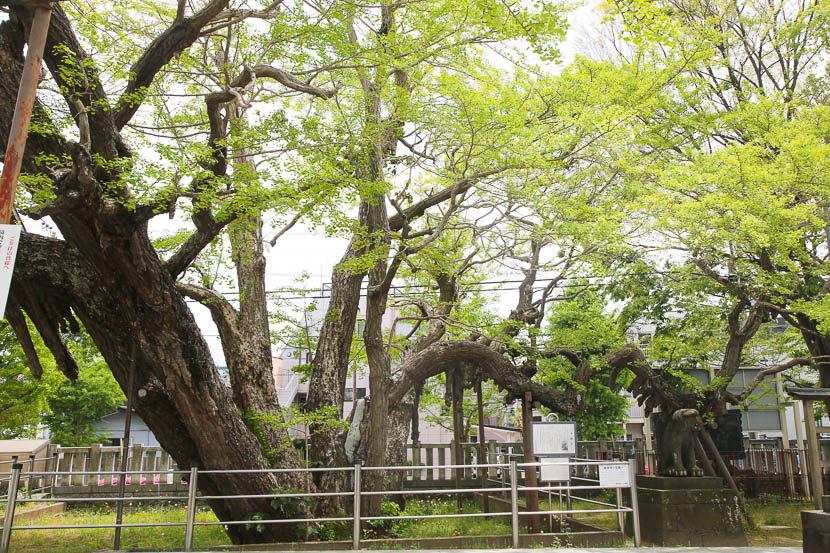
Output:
(398, 424)
(380, 362)
(122, 294)
(106, 273)
(250, 364)
(331, 369)
(249, 358)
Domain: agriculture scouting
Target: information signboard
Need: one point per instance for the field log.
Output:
(614, 475)
(553, 439)
(9, 238)
(555, 470)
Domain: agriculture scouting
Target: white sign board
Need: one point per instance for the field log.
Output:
(9, 238)
(553, 439)
(555, 470)
(614, 475)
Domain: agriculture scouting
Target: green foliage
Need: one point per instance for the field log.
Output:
(605, 412)
(336, 529)
(287, 505)
(386, 528)
(583, 324)
(290, 417)
(76, 407)
(23, 400)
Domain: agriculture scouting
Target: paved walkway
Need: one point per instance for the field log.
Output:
(676, 549)
(753, 549)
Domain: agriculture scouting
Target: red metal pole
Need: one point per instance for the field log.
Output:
(23, 110)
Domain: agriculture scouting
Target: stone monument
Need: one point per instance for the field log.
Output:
(680, 506)
(815, 529)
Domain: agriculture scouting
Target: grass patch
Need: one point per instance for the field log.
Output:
(83, 540)
(776, 513)
(172, 537)
(606, 520)
(447, 527)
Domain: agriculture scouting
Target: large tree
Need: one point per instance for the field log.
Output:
(734, 172)
(146, 113)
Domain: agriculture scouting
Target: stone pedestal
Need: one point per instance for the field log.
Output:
(815, 529)
(696, 511)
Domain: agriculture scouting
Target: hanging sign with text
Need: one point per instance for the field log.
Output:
(9, 239)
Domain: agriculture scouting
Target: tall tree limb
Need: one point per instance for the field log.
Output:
(175, 39)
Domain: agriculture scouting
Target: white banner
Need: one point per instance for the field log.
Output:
(9, 239)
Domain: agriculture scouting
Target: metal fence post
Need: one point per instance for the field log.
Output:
(191, 506)
(54, 477)
(635, 509)
(356, 523)
(568, 491)
(514, 501)
(29, 481)
(620, 514)
(14, 482)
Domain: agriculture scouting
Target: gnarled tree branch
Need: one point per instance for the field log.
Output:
(175, 39)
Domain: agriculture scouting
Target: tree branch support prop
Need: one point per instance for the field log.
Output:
(530, 472)
(725, 472)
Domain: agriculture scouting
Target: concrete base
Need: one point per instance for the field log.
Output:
(815, 531)
(34, 513)
(696, 511)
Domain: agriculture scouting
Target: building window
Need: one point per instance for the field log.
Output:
(361, 393)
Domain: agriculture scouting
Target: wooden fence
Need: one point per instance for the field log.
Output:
(100, 461)
(758, 471)
(780, 473)
(423, 455)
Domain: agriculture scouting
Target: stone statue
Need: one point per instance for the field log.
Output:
(677, 445)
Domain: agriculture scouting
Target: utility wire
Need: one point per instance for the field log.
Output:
(486, 286)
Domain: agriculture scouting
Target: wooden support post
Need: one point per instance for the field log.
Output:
(530, 472)
(816, 482)
(782, 414)
(94, 464)
(416, 460)
(457, 428)
(23, 109)
(799, 431)
(482, 447)
(725, 472)
(704, 460)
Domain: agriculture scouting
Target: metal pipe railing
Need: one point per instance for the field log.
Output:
(8, 521)
(510, 470)
(191, 506)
